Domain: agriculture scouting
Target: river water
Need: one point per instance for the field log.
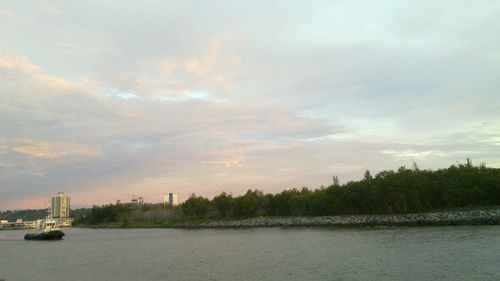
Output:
(426, 253)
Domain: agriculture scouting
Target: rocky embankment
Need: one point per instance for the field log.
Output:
(476, 217)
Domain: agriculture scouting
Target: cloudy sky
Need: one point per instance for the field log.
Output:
(104, 99)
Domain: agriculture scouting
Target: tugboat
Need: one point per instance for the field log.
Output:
(46, 230)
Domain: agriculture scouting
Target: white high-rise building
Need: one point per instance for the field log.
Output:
(60, 205)
(171, 199)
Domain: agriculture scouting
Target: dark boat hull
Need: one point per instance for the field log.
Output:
(51, 235)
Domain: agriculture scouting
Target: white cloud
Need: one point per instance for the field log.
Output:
(411, 154)
(236, 99)
(12, 18)
(10, 60)
(3, 145)
(54, 150)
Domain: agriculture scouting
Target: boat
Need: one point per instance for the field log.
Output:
(46, 230)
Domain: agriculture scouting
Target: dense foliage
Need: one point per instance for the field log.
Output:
(27, 215)
(31, 215)
(401, 191)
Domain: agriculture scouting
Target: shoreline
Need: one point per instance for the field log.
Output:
(442, 218)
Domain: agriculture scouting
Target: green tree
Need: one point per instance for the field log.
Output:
(196, 206)
(250, 204)
(367, 175)
(223, 203)
(336, 181)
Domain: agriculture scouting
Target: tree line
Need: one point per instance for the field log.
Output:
(34, 214)
(26, 215)
(388, 192)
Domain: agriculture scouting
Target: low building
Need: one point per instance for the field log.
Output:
(137, 201)
(64, 222)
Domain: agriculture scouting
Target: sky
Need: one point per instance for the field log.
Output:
(105, 99)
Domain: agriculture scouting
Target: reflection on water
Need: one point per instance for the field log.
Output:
(428, 253)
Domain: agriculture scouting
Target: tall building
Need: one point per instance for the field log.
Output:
(171, 199)
(59, 206)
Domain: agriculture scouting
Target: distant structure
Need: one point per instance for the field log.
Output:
(60, 205)
(137, 201)
(171, 199)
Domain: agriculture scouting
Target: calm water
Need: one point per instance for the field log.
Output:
(429, 253)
